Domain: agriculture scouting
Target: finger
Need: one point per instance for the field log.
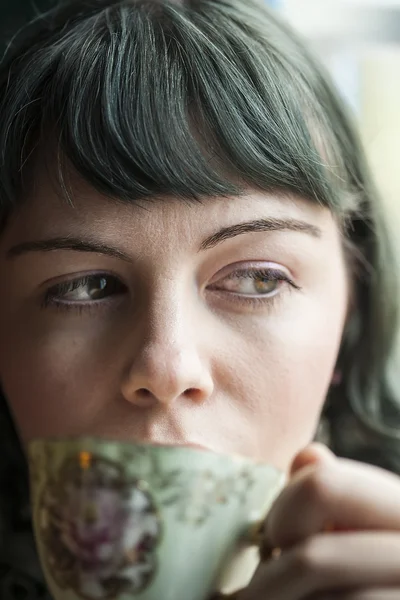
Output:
(374, 594)
(345, 493)
(311, 455)
(329, 563)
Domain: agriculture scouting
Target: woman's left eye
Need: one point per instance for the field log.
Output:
(253, 283)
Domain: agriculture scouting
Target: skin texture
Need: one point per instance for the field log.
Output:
(172, 355)
(173, 358)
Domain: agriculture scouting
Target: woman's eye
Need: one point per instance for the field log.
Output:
(87, 289)
(253, 283)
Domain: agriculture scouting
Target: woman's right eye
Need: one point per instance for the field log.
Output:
(85, 290)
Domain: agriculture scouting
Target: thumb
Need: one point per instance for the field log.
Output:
(313, 454)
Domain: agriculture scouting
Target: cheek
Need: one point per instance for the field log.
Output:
(271, 374)
(280, 372)
(55, 383)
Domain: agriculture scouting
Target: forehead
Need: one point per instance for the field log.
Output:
(46, 210)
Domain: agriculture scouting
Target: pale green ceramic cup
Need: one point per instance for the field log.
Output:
(121, 521)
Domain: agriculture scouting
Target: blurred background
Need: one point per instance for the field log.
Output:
(358, 40)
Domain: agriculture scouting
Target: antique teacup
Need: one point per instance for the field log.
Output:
(116, 520)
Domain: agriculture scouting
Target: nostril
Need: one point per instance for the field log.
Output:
(194, 394)
(144, 392)
(144, 398)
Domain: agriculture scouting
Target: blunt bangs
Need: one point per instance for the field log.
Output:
(146, 99)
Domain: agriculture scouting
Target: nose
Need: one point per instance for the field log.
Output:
(167, 365)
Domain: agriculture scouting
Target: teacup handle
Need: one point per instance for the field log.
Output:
(255, 537)
(254, 534)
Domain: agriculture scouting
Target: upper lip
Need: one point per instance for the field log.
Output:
(181, 444)
(195, 445)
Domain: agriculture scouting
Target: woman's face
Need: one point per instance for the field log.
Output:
(215, 324)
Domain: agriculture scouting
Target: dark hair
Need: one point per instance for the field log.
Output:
(195, 99)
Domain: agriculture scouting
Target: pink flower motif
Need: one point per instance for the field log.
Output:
(95, 519)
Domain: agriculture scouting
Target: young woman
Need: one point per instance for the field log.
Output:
(192, 251)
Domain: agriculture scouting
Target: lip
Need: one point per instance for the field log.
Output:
(191, 445)
(196, 447)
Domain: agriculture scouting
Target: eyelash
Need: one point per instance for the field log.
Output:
(268, 273)
(52, 296)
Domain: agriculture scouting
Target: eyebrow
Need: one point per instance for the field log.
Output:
(260, 225)
(67, 243)
(79, 245)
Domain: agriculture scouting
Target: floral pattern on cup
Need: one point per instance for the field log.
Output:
(100, 530)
